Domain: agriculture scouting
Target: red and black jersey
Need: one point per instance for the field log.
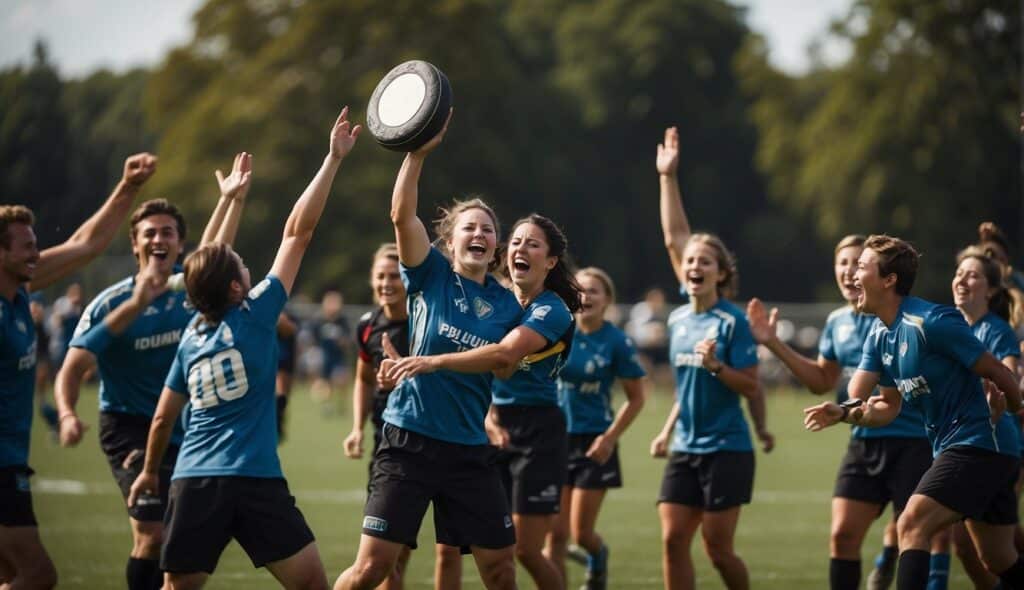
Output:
(371, 326)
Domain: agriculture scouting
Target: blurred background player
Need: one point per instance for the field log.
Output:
(334, 340)
(23, 268)
(287, 335)
(44, 366)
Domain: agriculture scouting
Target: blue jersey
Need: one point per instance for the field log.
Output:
(927, 354)
(449, 313)
(17, 378)
(999, 338)
(710, 416)
(842, 341)
(133, 365)
(595, 361)
(228, 372)
(533, 383)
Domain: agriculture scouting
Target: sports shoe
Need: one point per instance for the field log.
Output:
(577, 554)
(881, 578)
(597, 571)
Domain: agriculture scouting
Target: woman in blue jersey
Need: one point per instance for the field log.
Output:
(980, 295)
(922, 354)
(881, 465)
(710, 473)
(525, 418)
(600, 354)
(227, 482)
(434, 448)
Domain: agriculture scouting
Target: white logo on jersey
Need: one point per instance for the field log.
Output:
(150, 311)
(157, 340)
(541, 312)
(903, 349)
(712, 333)
(21, 327)
(843, 332)
(886, 359)
(460, 302)
(913, 387)
(227, 336)
(482, 308)
(222, 377)
(258, 290)
(170, 303)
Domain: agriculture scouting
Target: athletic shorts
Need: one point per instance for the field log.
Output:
(585, 473)
(205, 513)
(123, 440)
(712, 482)
(16, 496)
(411, 470)
(882, 470)
(977, 483)
(534, 464)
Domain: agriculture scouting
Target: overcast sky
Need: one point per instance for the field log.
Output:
(84, 35)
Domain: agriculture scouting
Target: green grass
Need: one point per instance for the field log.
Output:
(782, 536)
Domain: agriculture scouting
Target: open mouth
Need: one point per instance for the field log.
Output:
(695, 279)
(587, 306)
(160, 254)
(477, 248)
(388, 292)
(520, 264)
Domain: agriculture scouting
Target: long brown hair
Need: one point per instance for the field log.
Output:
(560, 279)
(728, 286)
(1001, 303)
(208, 275)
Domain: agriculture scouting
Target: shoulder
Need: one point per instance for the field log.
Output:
(730, 315)
(680, 314)
(838, 314)
(110, 297)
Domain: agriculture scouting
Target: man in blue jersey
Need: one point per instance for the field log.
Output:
(925, 355)
(130, 332)
(23, 268)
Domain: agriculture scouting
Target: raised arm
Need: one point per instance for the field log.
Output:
(410, 233)
(223, 223)
(93, 236)
(674, 225)
(305, 215)
(819, 376)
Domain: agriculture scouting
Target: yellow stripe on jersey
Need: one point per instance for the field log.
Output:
(539, 356)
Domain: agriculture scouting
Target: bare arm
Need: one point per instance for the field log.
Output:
(742, 381)
(601, 449)
(148, 286)
(659, 446)
(759, 415)
(410, 233)
(362, 396)
(93, 236)
(223, 223)
(518, 343)
(675, 226)
(305, 215)
(819, 376)
(66, 389)
(877, 411)
(167, 411)
(988, 367)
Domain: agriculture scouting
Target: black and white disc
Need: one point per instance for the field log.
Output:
(409, 106)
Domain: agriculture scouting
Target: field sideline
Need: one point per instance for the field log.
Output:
(783, 534)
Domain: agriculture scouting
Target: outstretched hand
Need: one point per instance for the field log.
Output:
(763, 325)
(236, 185)
(138, 168)
(668, 152)
(822, 416)
(435, 141)
(343, 135)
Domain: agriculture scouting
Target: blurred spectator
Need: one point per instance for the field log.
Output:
(67, 309)
(287, 330)
(648, 329)
(43, 367)
(995, 243)
(334, 339)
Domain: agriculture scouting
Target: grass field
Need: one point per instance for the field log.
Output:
(783, 534)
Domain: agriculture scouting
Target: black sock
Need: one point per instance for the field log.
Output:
(144, 574)
(1013, 578)
(844, 574)
(913, 570)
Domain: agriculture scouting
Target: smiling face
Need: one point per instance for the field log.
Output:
(869, 281)
(18, 260)
(473, 241)
(386, 282)
(701, 270)
(157, 236)
(527, 259)
(594, 298)
(845, 268)
(971, 289)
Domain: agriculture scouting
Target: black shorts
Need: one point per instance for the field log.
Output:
(974, 482)
(411, 470)
(123, 440)
(16, 496)
(534, 464)
(882, 470)
(585, 473)
(205, 513)
(712, 482)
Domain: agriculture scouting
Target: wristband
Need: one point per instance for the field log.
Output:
(714, 372)
(848, 405)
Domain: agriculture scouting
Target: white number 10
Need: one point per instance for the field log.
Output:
(219, 378)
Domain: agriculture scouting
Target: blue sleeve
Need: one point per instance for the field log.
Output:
(871, 361)
(550, 319)
(948, 333)
(625, 365)
(176, 378)
(1005, 343)
(91, 333)
(416, 278)
(826, 344)
(742, 351)
(684, 293)
(266, 300)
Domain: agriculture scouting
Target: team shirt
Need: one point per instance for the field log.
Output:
(595, 361)
(227, 371)
(533, 382)
(449, 313)
(17, 378)
(842, 341)
(999, 338)
(330, 335)
(370, 330)
(133, 364)
(710, 416)
(927, 354)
